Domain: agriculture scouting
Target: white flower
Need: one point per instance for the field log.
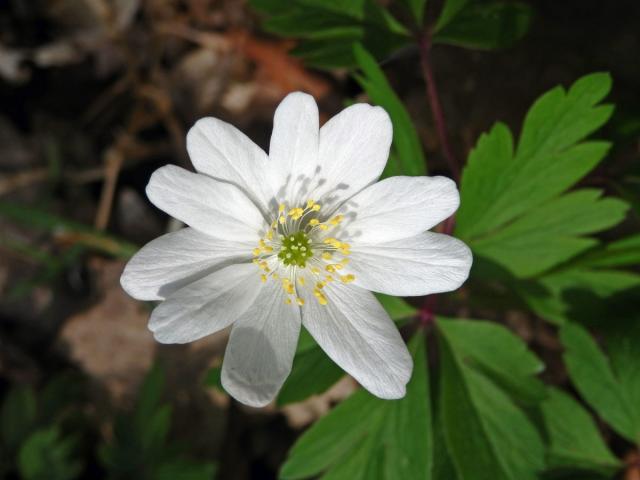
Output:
(298, 237)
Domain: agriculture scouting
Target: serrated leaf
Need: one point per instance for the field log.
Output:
(486, 26)
(487, 435)
(494, 351)
(621, 253)
(328, 29)
(552, 233)
(611, 385)
(575, 442)
(581, 294)
(406, 142)
(509, 196)
(368, 438)
(46, 455)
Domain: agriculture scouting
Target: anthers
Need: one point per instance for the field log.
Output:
(296, 252)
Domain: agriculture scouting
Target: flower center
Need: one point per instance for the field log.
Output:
(295, 249)
(297, 252)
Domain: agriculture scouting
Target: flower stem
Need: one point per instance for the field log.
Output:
(424, 44)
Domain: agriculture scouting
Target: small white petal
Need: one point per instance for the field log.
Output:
(210, 206)
(399, 207)
(223, 152)
(261, 348)
(294, 144)
(206, 305)
(354, 147)
(176, 259)
(421, 265)
(357, 334)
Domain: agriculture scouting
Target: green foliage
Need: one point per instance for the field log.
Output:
(365, 437)
(75, 232)
(140, 447)
(484, 26)
(514, 211)
(574, 440)
(498, 441)
(417, 8)
(18, 417)
(328, 29)
(48, 455)
(610, 384)
(406, 143)
(32, 423)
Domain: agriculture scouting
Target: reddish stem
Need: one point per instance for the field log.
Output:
(424, 43)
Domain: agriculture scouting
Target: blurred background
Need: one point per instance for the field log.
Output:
(97, 94)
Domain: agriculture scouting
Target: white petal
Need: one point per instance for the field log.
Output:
(354, 147)
(399, 207)
(294, 144)
(357, 334)
(213, 207)
(223, 152)
(421, 265)
(206, 305)
(167, 263)
(261, 348)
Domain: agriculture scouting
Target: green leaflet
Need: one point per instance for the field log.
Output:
(611, 385)
(329, 29)
(512, 208)
(368, 438)
(498, 442)
(582, 294)
(575, 442)
(416, 7)
(406, 143)
(551, 233)
(483, 26)
(47, 455)
(497, 353)
(450, 9)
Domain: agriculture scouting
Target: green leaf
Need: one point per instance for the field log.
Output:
(18, 417)
(486, 26)
(397, 308)
(46, 455)
(551, 233)
(312, 373)
(621, 253)
(328, 29)
(575, 442)
(610, 385)
(406, 142)
(75, 232)
(494, 351)
(182, 469)
(507, 192)
(450, 10)
(581, 294)
(498, 185)
(487, 435)
(416, 7)
(368, 438)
